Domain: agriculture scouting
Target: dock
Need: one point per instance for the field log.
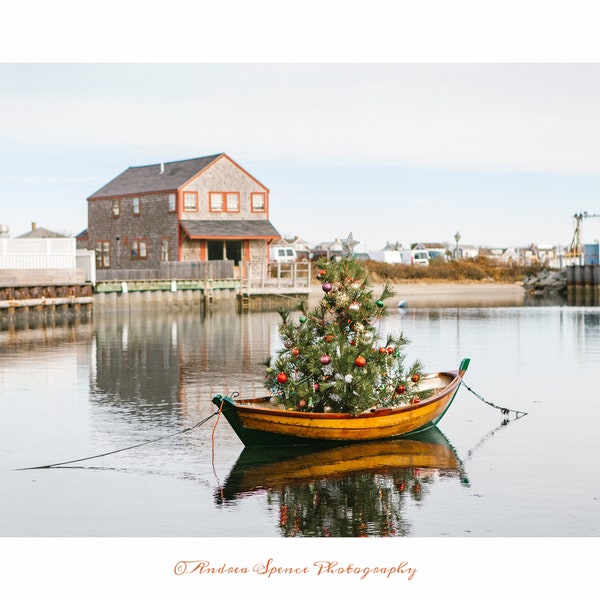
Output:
(583, 284)
(251, 286)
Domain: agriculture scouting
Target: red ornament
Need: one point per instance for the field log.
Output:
(400, 389)
(415, 378)
(360, 361)
(282, 377)
(414, 400)
(325, 360)
(390, 350)
(382, 351)
(295, 352)
(302, 404)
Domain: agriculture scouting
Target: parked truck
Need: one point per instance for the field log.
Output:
(282, 254)
(415, 257)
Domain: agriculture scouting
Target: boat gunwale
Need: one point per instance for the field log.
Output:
(246, 405)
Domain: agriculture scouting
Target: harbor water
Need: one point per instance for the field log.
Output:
(124, 379)
(118, 405)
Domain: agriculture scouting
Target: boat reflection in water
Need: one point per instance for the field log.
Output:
(352, 490)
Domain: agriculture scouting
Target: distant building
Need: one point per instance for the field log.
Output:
(503, 255)
(391, 253)
(40, 233)
(82, 240)
(538, 254)
(465, 251)
(591, 254)
(327, 250)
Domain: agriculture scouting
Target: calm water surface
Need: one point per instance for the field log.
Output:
(120, 380)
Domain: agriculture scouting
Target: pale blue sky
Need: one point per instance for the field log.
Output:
(503, 153)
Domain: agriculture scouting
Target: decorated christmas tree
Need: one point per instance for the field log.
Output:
(332, 357)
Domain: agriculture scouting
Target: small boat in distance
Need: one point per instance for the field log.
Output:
(258, 423)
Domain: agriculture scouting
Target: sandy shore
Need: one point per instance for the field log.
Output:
(447, 294)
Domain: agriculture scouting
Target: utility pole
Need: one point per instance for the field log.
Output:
(575, 249)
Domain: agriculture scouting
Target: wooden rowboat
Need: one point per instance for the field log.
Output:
(258, 423)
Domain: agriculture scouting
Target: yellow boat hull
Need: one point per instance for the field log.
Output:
(258, 423)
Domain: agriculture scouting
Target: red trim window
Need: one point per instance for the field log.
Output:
(116, 207)
(172, 203)
(139, 249)
(102, 254)
(164, 249)
(190, 201)
(224, 201)
(136, 205)
(233, 202)
(258, 202)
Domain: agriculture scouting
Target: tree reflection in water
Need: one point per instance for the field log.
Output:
(358, 505)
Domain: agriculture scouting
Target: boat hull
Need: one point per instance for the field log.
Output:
(258, 423)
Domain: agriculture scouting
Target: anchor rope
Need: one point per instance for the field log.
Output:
(505, 411)
(164, 437)
(485, 438)
(219, 413)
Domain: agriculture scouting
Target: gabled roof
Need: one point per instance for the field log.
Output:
(161, 177)
(41, 232)
(429, 245)
(242, 229)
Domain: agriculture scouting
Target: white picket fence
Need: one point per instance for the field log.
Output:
(46, 254)
(43, 253)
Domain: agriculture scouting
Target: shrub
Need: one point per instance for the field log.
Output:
(471, 269)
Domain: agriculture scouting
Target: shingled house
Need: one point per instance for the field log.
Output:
(200, 209)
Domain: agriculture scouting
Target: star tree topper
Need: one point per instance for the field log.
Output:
(348, 246)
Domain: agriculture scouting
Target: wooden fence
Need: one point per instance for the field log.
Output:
(213, 269)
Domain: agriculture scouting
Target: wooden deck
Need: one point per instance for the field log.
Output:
(276, 278)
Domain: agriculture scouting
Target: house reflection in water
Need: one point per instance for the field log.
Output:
(168, 366)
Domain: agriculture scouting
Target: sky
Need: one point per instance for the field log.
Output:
(502, 152)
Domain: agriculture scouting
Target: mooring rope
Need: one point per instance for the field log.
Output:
(154, 441)
(505, 411)
(219, 413)
(485, 438)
